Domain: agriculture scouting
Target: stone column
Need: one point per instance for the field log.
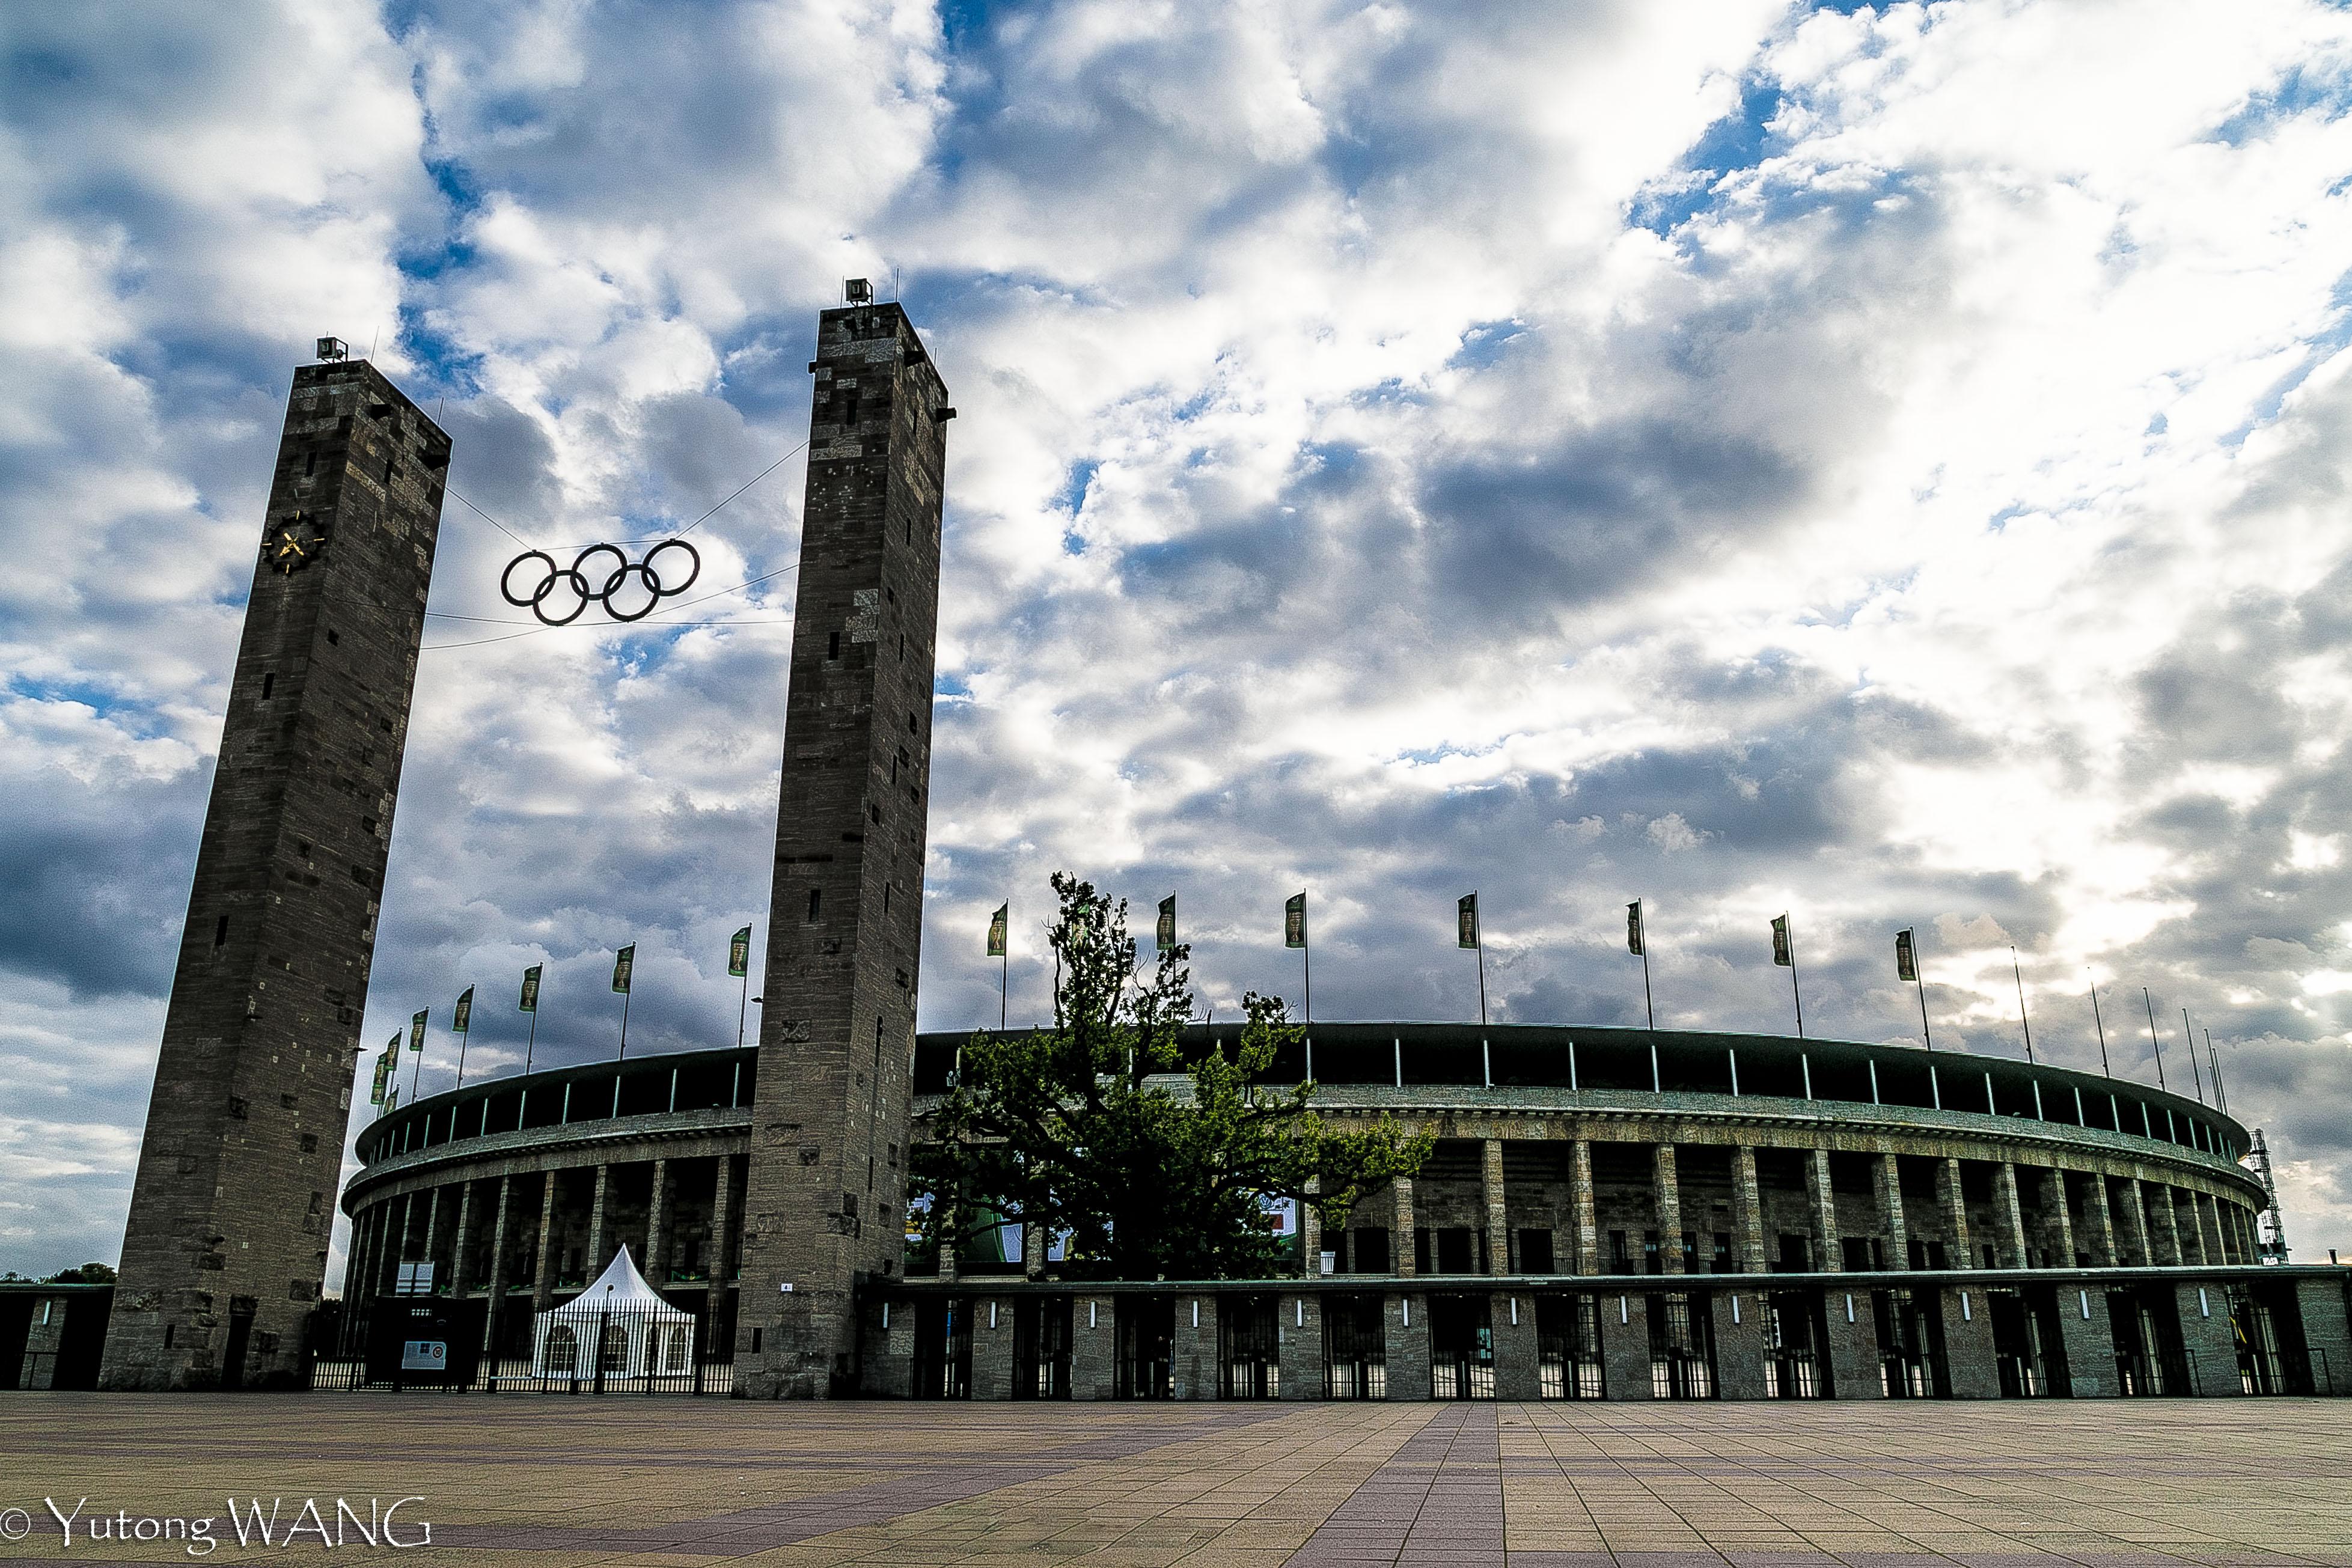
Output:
(497, 1281)
(596, 1259)
(1498, 1234)
(1518, 1371)
(1625, 1346)
(657, 1228)
(2205, 1334)
(1741, 1319)
(1952, 1198)
(2135, 1226)
(992, 1346)
(1094, 1349)
(1821, 1197)
(1407, 1332)
(465, 1231)
(1300, 1345)
(2167, 1248)
(2099, 1219)
(1195, 1372)
(1400, 1254)
(433, 1221)
(1853, 1345)
(2008, 1218)
(2090, 1341)
(1666, 1196)
(1968, 1358)
(1033, 1248)
(2226, 1213)
(2204, 1250)
(1588, 1230)
(1310, 1236)
(1747, 1209)
(542, 1283)
(2058, 1221)
(1888, 1178)
(722, 1208)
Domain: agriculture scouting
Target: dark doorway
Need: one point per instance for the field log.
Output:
(1461, 1348)
(1910, 1346)
(1146, 1347)
(1355, 1348)
(1041, 1347)
(942, 1348)
(1795, 1333)
(1682, 1347)
(1248, 1352)
(1568, 1346)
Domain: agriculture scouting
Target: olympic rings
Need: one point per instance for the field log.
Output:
(561, 595)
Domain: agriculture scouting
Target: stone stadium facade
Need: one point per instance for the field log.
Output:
(1608, 1213)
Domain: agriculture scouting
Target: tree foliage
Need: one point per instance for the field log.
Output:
(1086, 1128)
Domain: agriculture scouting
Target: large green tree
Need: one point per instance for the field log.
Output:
(1098, 1128)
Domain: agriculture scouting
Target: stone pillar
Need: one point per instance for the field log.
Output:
(2206, 1335)
(1194, 1373)
(1032, 1250)
(2008, 1218)
(721, 1203)
(1301, 1346)
(2099, 1220)
(1952, 1199)
(2202, 1255)
(1310, 1233)
(498, 1279)
(1740, 1320)
(1094, 1349)
(1625, 1346)
(2166, 1244)
(1821, 1197)
(1588, 1230)
(1968, 1357)
(1498, 1234)
(432, 1220)
(2058, 1218)
(1853, 1345)
(1747, 1209)
(2090, 1341)
(1407, 1331)
(2225, 1214)
(2135, 1238)
(657, 1229)
(1518, 1372)
(1401, 1250)
(596, 1259)
(992, 1347)
(2328, 1332)
(465, 1231)
(1667, 1199)
(542, 1282)
(1888, 1178)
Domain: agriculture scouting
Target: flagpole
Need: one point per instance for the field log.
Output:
(463, 1035)
(415, 1068)
(1004, 983)
(2189, 1039)
(2158, 1044)
(1479, 931)
(2028, 1022)
(1794, 989)
(1919, 983)
(624, 1024)
(2213, 1059)
(2102, 1024)
(1307, 962)
(1648, 1006)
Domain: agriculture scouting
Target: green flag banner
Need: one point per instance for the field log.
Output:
(1293, 921)
(1634, 928)
(1907, 961)
(1780, 953)
(996, 924)
(417, 1029)
(1466, 921)
(464, 1022)
(382, 1073)
(623, 962)
(1164, 932)
(738, 953)
(529, 1003)
(391, 1097)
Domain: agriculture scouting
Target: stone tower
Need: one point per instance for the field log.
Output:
(825, 1197)
(226, 1245)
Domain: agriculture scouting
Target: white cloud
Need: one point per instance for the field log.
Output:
(1393, 451)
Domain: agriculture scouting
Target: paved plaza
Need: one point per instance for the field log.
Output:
(555, 1482)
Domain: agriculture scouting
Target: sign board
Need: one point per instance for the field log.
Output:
(424, 1355)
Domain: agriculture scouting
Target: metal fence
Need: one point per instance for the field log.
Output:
(656, 1350)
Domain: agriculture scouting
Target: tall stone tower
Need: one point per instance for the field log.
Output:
(825, 1197)
(226, 1246)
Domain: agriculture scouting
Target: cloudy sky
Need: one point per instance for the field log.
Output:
(1886, 464)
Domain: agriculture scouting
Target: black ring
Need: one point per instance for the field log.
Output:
(597, 586)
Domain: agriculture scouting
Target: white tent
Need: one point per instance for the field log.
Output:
(640, 1333)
